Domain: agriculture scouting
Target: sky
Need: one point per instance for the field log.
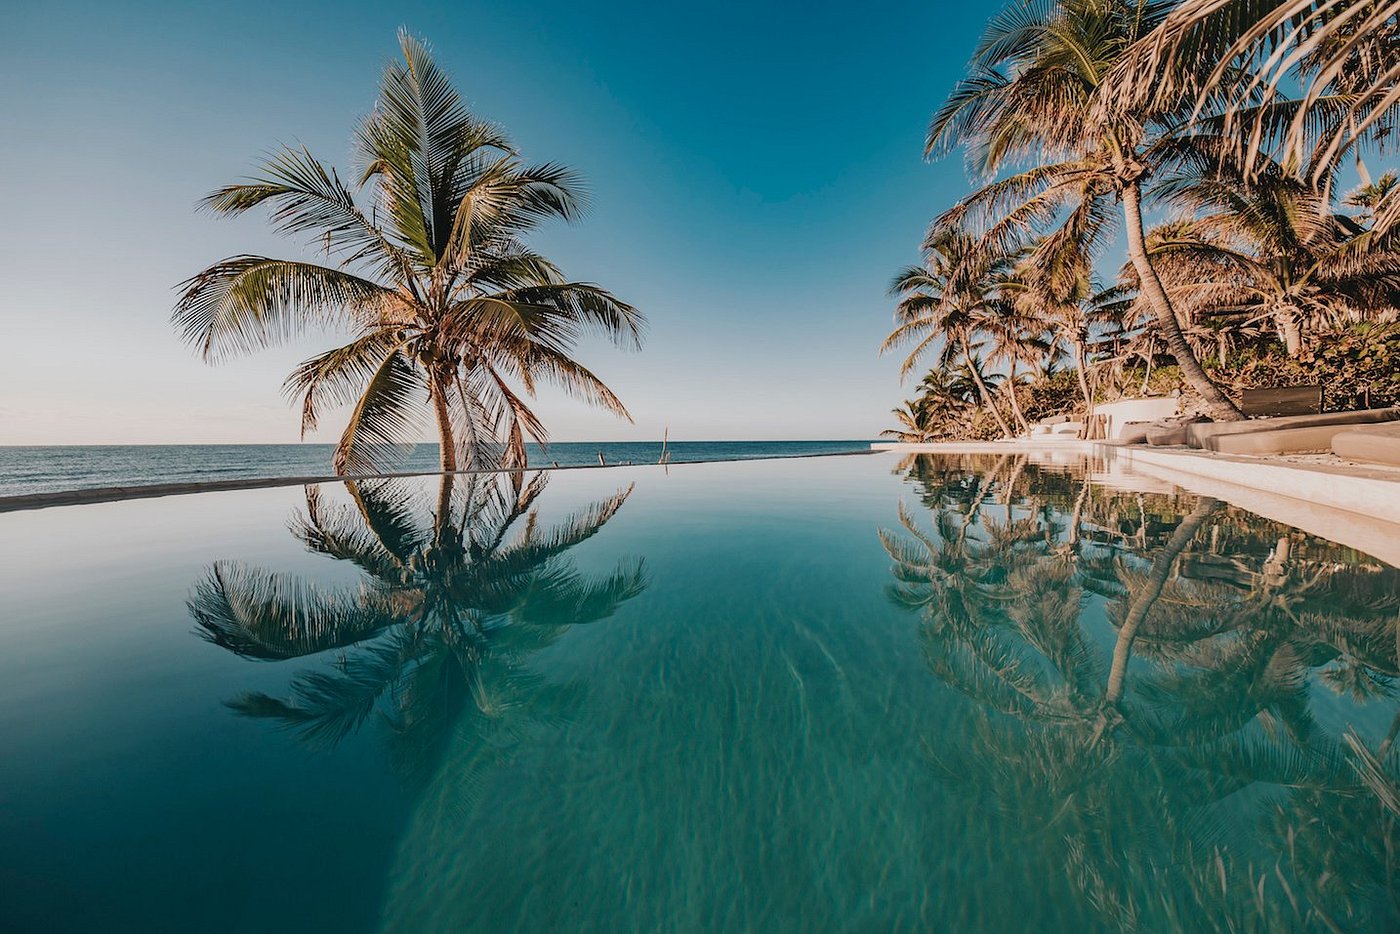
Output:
(755, 169)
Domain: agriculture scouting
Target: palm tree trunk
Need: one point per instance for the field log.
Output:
(986, 395)
(1217, 403)
(1147, 374)
(1152, 589)
(1289, 327)
(1015, 402)
(1081, 366)
(447, 444)
(1077, 516)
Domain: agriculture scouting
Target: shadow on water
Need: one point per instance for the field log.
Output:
(455, 598)
(1180, 710)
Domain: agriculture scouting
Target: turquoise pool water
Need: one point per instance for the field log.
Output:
(972, 693)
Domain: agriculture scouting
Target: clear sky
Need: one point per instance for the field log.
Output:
(755, 169)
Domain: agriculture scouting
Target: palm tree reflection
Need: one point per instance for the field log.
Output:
(1146, 674)
(454, 600)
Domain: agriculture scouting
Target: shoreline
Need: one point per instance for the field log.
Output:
(20, 502)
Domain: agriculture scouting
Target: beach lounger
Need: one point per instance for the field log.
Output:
(1372, 444)
(1134, 433)
(1169, 432)
(1309, 440)
(1220, 436)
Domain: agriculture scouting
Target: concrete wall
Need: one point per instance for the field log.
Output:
(1135, 410)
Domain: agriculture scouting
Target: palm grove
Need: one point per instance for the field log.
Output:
(455, 319)
(1225, 145)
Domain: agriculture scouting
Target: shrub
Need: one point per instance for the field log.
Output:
(1358, 367)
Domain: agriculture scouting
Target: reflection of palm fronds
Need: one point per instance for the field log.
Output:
(456, 599)
(1203, 786)
(269, 615)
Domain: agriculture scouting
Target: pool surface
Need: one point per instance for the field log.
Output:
(973, 693)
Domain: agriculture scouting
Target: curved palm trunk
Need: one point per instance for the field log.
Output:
(1217, 403)
(985, 395)
(1075, 518)
(1016, 402)
(1142, 604)
(1081, 367)
(1147, 373)
(447, 444)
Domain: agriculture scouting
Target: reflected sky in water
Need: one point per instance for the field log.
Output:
(839, 693)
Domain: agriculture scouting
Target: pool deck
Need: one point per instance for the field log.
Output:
(1352, 504)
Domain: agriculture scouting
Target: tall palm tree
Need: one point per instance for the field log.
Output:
(1014, 337)
(951, 297)
(1274, 251)
(1031, 97)
(1060, 292)
(424, 260)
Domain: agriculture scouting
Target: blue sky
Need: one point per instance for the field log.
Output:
(755, 170)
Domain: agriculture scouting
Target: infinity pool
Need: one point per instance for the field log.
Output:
(848, 693)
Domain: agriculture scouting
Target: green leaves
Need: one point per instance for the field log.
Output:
(385, 419)
(453, 602)
(266, 615)
(433, 274)
(248, 303)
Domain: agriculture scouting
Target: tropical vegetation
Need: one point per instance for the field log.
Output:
(423, 259)
(1223, 143)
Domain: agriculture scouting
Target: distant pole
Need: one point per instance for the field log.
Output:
(601, 462)
(664, 433)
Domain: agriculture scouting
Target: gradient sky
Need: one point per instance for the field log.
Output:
(755, 170)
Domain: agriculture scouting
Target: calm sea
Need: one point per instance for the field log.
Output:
(77, 467)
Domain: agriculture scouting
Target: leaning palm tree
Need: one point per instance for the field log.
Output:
(950, 297)
(1031, 97)
(424, 261)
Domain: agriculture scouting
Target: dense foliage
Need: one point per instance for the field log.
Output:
(1248, 262)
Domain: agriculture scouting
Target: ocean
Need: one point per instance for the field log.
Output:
(55, 469)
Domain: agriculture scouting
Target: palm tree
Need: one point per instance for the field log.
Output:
(1370, 196)
(1273, 251)
(1059, 291)
(1014, 337)
(951, 297)
(452, 603)
(1031, 96)
(913, 418)
(425, 262)
(941, 391)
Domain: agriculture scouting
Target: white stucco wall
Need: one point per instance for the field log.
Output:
(1135, 410)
